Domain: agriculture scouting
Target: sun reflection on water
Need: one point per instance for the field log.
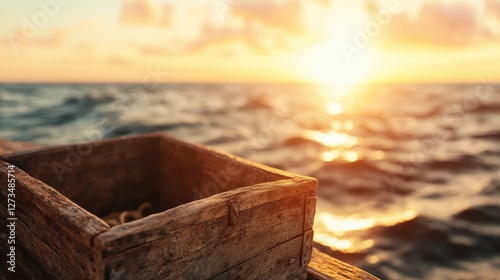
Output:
(351, 156)
(344, 233)
(334, 108)
(373, 259)
(331, 138)
(338, 136)
(348, 125)
(330, 155)
(377, 155)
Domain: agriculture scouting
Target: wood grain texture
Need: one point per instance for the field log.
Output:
(310, 210)
(307, 239)
(324, 267)
(52, 233)
(281, 261)
(215, 244)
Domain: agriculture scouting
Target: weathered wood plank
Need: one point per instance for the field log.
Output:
(307, 239)
(187, 253)
(310, 210)
(324, 267)
(27, 267)
(70, 217)
(282, 261)
(49, 258)
(58, 253)
(50, 229)
(47, 241)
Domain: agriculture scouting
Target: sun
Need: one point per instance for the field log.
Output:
(327, 62)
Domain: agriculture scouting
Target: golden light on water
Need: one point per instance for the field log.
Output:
(331, 138)
(344, 245)
(339, 125)
(341, 225)
(373, 259)
(343, 233)
(348, 125)
(334, 108)
(351, 156)
(330, 155)
(377, 155)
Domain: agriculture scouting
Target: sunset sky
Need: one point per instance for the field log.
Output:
(331, 41)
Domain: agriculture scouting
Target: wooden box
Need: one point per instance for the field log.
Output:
(216, 216)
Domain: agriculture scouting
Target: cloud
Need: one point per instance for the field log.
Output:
(286, 16)
(166, 13)
(118, 60)
(493, 8)
(211, 35)
(437, 23)
(257, 38)
(226, 53)
(154, 50)
(324, 3)
(55, 39)
(371, 6)
(261, 26)
(264, 26)
(137, 12)
(143, 12)
(18, 39)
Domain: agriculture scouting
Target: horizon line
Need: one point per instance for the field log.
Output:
(253, 82)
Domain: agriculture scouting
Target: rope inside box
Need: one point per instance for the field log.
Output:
(119, 218)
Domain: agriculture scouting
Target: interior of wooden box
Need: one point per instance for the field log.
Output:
(119, 175)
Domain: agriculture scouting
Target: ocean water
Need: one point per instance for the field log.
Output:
(409, 173)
